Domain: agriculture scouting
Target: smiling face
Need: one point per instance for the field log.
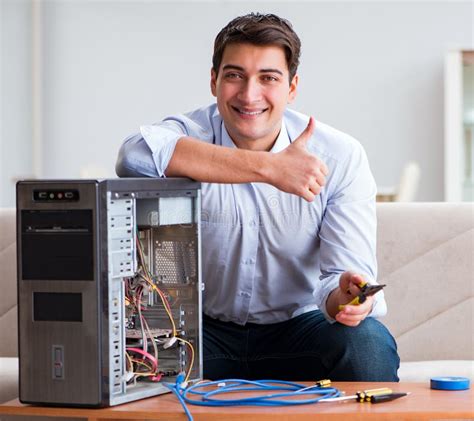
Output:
(252, 90)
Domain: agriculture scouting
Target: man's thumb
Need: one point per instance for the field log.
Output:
(306, 133)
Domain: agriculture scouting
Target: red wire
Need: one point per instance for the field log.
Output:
(145, 355)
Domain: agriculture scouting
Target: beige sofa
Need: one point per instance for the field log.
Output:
(425, 254)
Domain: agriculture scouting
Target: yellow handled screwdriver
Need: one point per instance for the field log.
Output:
(361, 396)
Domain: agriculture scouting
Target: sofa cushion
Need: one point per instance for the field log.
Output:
(8, 309)
(9, 382)
(423, 371)
(425, 254)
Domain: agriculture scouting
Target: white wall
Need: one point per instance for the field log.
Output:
(468, 126)
(372, 69)
(15, 95)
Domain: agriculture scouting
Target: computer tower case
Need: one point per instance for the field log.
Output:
(109, 288)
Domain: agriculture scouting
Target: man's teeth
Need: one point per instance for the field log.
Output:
(250, 112)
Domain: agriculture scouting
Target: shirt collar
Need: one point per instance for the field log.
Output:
(282, 142)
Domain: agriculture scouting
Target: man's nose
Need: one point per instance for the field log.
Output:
(250, 91)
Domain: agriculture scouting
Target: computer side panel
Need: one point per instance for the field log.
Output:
(154, 286)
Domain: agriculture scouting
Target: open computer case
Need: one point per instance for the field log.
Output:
(109, 288)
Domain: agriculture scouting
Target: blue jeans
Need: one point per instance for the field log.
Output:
(306, 347)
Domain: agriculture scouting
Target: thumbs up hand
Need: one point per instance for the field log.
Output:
(295, 170)
(306, 134)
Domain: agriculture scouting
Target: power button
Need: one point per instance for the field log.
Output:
(58, 362)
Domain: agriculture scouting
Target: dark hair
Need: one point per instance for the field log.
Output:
(259, 29)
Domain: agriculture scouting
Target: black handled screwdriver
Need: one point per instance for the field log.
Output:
(386, 398)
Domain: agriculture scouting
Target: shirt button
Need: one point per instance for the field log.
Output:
(253, 223)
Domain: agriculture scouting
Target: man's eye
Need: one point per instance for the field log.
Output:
(232, 76)
(268, 78)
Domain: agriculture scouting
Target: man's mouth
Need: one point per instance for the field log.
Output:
(250, 113)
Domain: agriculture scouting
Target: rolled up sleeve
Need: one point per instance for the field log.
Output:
(149, 152)
(161, 140)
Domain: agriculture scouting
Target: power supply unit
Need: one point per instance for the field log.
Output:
(109, 288)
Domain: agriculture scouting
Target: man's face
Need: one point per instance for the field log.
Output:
(252, 91)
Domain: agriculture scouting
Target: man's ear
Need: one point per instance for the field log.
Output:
(213, 82)
(293, 91)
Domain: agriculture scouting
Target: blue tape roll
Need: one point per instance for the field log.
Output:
(450, 383)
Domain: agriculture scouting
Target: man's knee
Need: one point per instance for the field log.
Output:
(369, 334)
(367, 352)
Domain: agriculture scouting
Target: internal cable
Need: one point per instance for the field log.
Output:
(146, 355)
(191, 364)
(149, 281)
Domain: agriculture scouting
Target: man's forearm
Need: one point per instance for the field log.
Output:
(292, 170)
(216, 164)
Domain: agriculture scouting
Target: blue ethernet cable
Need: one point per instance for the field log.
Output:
(286, 389)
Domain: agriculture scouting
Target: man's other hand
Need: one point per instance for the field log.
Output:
(352, 315)
(295, 170)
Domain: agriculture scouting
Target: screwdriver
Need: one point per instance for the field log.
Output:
(387, 398)
(361, 396)
(379, 397)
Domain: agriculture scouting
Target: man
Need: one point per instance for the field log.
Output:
(288, 219)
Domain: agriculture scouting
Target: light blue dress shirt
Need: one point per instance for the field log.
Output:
(268, 256)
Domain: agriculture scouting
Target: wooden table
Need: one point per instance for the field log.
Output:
(422, 404)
